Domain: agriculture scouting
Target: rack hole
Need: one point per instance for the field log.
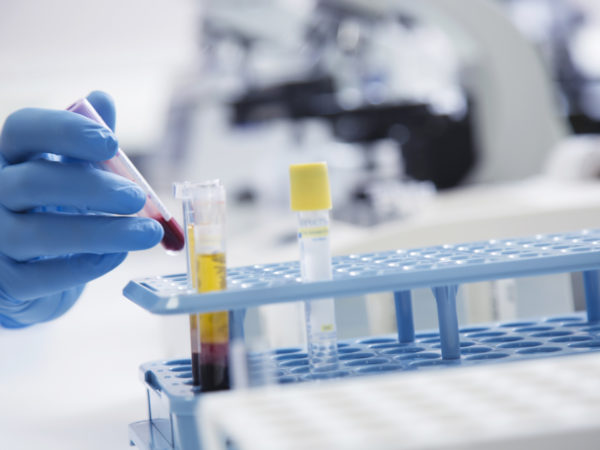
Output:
(349, 350)
(295, 363)
(403, 350)
(178, 362)
(378, 369)
(424, 355)
(180, 369)
(521, 344)
(366, 362)
(577, 324)
(555, 333)
(326, 375)
(499, 339)
(184, 375)
(487, 356)
(473, 329)
(531, 351)
(285, 351)
(351, 356)
(475, 350)
(564, 319)
(571, 339)
(517, 324)
(533, 329)
(287, 379)
(435, 362)
(290, 356)
(591, 344)
(384, 346)
(377, 341)
(487, 334)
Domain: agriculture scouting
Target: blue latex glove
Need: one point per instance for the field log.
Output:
(58, 228)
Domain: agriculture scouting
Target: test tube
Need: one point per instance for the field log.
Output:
(173, 239)
(311, 198)
(204, 221)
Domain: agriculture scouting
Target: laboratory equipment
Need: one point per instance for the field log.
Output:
(424, 74)
(173, 239)
(173, 403)
(204, 221)
(311, 199)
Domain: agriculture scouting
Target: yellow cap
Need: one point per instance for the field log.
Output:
(309, 187)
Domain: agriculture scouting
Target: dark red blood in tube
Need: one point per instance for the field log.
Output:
(213, 369)
(173, 238)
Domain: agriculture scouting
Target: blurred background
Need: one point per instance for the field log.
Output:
(440, 123)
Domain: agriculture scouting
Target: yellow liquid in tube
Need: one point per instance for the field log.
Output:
(209, 331)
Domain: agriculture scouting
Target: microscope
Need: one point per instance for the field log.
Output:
(453, 95)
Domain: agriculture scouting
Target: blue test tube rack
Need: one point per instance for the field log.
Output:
(172, 399)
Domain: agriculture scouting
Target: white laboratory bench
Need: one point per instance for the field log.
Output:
(73, 383)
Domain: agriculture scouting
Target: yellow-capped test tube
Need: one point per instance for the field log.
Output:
(311, 198)
(204, 218)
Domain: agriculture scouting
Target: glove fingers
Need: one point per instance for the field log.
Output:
(104, 105)
(33, 131)
(32, 235)
(42, 183)
(35, 279)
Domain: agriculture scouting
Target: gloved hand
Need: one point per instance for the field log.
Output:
(58, 227)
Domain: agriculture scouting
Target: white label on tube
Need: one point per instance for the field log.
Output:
(315, 262)
(315, 253)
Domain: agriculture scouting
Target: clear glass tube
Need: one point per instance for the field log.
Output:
(315, 265)
(173, 239)
(204, 221)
